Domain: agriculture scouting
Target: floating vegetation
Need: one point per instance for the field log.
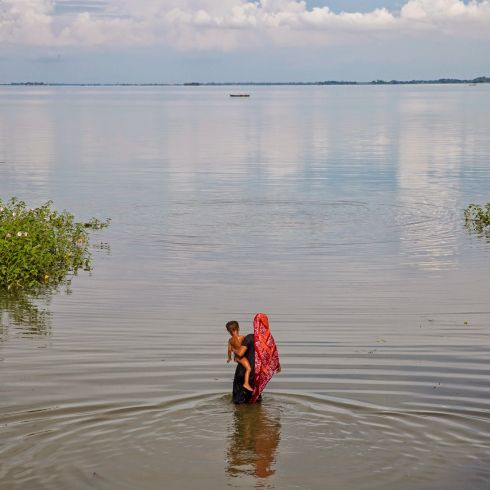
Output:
(477, 218)
(40, 246)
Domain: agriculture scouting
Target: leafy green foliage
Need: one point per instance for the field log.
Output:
(41, 246)
(477, 218)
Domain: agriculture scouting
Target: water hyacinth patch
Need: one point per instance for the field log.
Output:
(477, 218)
(41, 246)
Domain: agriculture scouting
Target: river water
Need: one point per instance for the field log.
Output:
(336, 210)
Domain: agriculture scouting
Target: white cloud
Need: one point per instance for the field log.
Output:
(26, 21)
(452, 17)
(231, 24)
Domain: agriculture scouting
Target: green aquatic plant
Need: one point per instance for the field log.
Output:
(41, 246)
(477, 218)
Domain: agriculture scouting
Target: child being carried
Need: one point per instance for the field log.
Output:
(234, 345)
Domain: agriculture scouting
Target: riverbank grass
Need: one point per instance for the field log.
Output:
(41, 246)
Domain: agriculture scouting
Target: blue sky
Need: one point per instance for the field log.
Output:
(336, 5)
(356, 5)
(231, 40)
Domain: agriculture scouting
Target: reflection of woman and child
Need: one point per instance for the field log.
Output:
(256, 429)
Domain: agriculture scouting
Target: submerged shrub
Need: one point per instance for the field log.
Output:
(477, 218)
(40, 246)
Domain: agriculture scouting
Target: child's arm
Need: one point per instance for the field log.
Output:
(229, 352)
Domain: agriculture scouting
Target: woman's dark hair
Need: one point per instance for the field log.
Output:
(232, 326)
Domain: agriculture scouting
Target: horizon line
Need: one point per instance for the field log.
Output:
(446, 80)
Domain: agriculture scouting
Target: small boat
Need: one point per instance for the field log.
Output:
(239, 95)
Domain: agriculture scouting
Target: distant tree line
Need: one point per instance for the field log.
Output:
(221, 84)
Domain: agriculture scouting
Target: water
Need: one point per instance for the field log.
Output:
(336, 210)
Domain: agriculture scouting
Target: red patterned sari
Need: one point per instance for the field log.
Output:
(266, 355)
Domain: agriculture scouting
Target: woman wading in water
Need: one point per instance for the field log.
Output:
(261, 353)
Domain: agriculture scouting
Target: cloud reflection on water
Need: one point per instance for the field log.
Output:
(28, 141)
(430, 149)
(297, 183)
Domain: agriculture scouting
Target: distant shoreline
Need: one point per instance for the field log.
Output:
(440, 81)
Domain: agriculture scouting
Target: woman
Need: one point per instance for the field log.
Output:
(261, 352)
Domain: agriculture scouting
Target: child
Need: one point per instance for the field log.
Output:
(234, 345)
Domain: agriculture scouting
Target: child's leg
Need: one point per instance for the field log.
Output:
(244, 362)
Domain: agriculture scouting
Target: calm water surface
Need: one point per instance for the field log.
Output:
(336, 210)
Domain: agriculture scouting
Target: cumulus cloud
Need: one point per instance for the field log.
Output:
(231, 24)
(26, 21)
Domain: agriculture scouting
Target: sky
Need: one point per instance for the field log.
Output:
(170, 41)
